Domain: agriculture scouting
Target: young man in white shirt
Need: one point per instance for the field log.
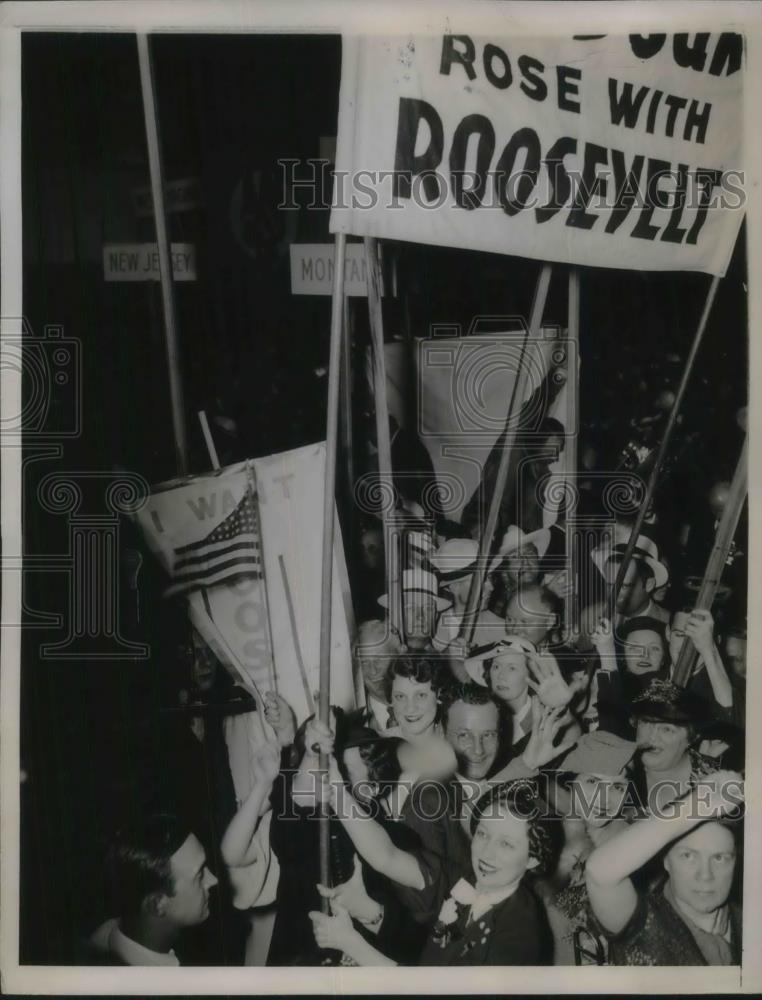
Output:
(161, 881)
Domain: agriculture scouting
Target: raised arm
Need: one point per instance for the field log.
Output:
(547, 723)
(612, 894)
(371, 841)
(238, 846)
(700, 629)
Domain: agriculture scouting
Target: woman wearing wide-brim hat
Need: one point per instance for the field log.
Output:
(513, 670)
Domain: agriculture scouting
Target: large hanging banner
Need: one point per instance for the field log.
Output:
(610, 151)
(244, 546)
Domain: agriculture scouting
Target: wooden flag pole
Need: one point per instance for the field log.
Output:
(329, 520)
(386, 483)
(572, 447)
(295, 635)
(208, 439)
(346, 395)
(662, 450)
(251, 485)
(507, 457)
(716, 563)
(165, 260)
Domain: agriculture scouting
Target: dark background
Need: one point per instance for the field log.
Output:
(96, 743)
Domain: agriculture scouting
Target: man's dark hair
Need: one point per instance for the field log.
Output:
(475, 694)
(645, 623)
(139, 860)
(420, 669)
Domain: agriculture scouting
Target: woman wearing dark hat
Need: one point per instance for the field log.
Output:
(687, 919)
(668, 722)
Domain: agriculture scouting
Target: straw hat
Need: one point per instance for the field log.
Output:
(419, 581)
(645, 550)
(455, 558)
(514, 538)
(475, 664)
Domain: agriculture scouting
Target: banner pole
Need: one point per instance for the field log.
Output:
(208, 440)
(346, 395)
(662, 450)
(386, 483)
(572, 447)
(165, 261)
(507, 458)
(329, 519)
(295, 636)
(723, 539)
(253, 490)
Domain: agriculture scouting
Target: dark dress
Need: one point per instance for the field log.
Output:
(514, 932)
(443, 849)
(294, 839)
(656, 935)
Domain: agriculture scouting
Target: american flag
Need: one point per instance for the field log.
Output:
(230, 550)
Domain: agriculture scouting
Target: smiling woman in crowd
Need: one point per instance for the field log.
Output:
(490, 917)
(414, 687)
(627, 664)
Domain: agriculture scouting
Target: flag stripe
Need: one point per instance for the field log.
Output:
(194, 547)
(234, 545)
(203, 571)
(209, 580)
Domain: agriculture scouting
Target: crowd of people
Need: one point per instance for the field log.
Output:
(527, 786)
